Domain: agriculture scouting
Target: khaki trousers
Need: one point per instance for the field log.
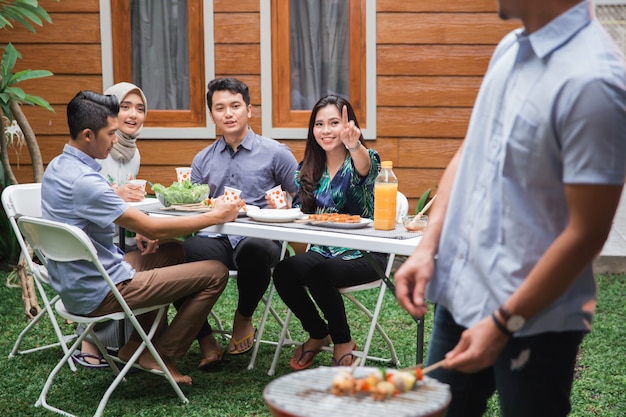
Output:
(162, 278)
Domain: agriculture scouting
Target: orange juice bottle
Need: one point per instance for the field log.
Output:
(385, 195)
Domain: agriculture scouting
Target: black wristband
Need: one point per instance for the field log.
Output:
(500, 326)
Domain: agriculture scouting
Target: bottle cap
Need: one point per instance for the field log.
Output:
(386, 164)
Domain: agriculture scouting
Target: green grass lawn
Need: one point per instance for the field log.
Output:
(235, 391)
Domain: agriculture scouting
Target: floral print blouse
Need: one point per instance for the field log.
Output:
(346, 193)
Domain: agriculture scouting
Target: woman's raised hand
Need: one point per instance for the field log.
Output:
(350, 134)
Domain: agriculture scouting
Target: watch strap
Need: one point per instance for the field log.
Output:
(500, 326)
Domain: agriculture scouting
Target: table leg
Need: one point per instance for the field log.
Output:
(419, 321)
(121, 233)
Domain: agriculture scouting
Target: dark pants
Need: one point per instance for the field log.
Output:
(322, 277)
(252, 258)
(533, 374)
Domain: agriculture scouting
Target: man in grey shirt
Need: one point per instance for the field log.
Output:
(252, 163)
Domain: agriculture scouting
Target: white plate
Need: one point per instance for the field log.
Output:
(244, 213)
(275, 215)
(337, 225)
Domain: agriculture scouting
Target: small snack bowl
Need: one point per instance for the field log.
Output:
(413, 224)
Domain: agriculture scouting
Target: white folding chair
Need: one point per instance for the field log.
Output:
(25, 200)
(347, 292)
(267, 300)
(65, 243)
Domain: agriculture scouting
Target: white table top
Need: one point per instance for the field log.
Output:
(318, 237)
(313, 235)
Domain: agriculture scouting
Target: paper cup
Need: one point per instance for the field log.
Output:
(231, 194)
(277, 196)
(183, 174)
(140, 184)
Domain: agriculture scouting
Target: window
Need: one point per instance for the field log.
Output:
(316, 47)
(159, 46)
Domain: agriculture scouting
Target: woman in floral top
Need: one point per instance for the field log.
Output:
(336, 176)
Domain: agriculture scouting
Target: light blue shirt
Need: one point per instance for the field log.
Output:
(550, 112)
(74, 192)
(258, 165)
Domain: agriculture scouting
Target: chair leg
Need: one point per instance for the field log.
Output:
(279, 345)
(259, 336)
(62, 339)
(41, 400)
(375, 326)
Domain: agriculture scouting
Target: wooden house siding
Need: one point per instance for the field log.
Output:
(431, 56)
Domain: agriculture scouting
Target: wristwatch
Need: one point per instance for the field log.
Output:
(512, 322)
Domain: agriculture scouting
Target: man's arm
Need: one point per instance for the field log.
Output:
(169, 227)
(591, 210)
(417, 270)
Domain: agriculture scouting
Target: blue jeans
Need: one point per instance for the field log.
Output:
(533, 375)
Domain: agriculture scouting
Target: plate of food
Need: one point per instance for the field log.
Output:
(275, 215)
(337, 220)
(206, 205)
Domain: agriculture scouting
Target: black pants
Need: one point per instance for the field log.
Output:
(322, 277)
(252, 258)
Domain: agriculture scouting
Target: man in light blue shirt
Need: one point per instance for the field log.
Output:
(74, 192)
(523, 208)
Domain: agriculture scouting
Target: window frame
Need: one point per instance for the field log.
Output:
(166, 124)
(278, 120)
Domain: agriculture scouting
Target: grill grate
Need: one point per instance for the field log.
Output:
(307, 394)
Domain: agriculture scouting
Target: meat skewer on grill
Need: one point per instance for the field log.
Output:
(381, 384)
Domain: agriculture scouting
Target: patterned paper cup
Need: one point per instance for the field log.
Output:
(231, 194)
(277, 196)
(139, 184)
(183, 173)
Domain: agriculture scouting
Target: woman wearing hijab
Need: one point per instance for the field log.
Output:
(122, 164)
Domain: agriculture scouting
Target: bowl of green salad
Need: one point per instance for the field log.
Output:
(183, 192)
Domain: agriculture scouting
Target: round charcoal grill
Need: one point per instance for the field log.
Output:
(307, 394)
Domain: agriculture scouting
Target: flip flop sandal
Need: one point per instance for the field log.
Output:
(337, 362)
(293, 363)
(215, 364)
(79, 358)
(236, 342)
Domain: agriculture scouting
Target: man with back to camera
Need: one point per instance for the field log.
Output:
(74, 192)
(522, 209)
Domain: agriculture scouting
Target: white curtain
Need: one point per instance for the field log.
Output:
(319, 51)
(160, 51)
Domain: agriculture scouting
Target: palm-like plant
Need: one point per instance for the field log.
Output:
(27, 13)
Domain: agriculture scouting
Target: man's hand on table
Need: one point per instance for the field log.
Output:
(226, 211)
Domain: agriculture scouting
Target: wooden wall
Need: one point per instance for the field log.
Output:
(431, 56)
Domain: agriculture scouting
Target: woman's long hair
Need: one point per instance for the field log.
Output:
(314, 156)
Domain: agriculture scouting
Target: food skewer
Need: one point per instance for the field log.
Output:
(434, 366)
(381, 384)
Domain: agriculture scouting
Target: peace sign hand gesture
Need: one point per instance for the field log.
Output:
(350, 135)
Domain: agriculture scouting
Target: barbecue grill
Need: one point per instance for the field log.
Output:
(307, 394)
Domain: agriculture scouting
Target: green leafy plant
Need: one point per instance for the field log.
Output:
(29, 14)
(8, 89)
(422, 201)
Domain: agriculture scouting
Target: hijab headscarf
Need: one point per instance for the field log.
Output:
(126, 145)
